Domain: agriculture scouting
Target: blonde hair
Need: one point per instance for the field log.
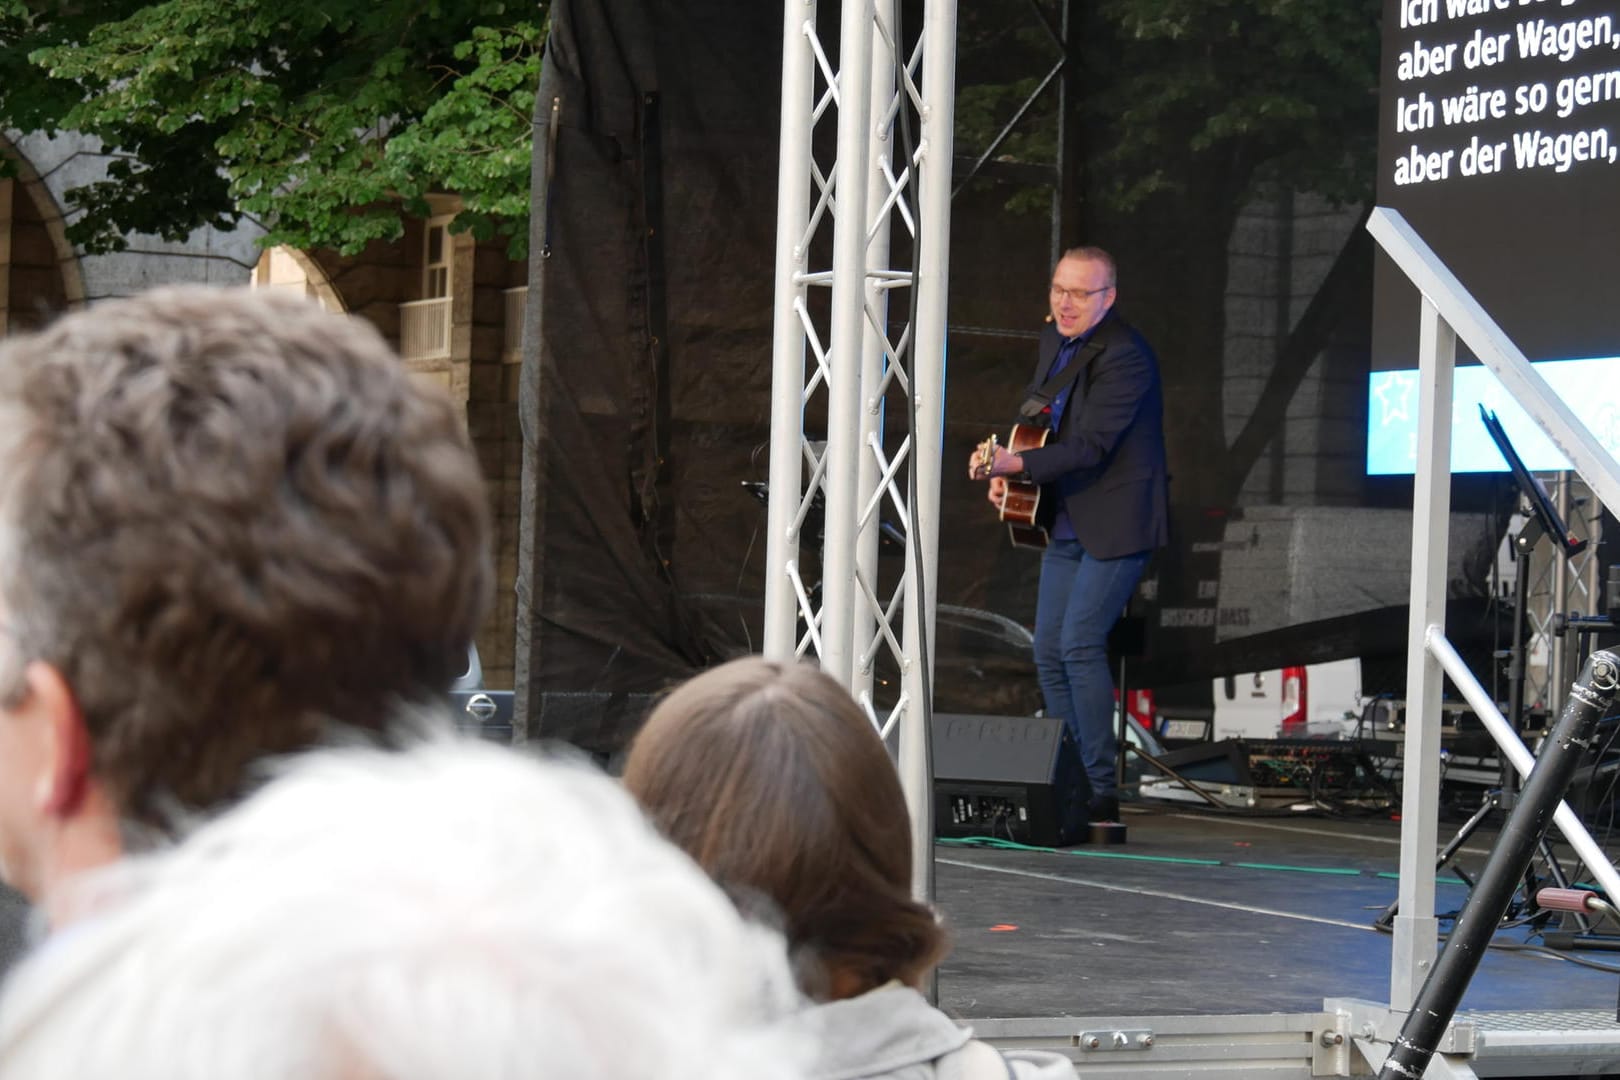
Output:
(1092, 254)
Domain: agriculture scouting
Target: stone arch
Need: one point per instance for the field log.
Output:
(289, 268)
(40, 272)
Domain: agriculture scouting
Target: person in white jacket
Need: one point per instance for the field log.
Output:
(445, 912)
(771, 777)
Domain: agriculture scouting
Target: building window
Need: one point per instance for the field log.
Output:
(436, 259)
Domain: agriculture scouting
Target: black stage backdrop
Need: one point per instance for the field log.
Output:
(647, 369)
(645, 408)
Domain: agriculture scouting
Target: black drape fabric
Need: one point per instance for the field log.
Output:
(644, 398)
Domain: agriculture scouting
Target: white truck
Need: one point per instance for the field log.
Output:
(1311, 700)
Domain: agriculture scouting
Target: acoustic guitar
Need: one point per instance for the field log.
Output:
(1020, 506)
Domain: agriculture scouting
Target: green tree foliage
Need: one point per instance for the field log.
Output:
(319, 119)
(1168, 90)
(1282, 89)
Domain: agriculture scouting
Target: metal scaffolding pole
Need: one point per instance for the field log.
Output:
(832, 435)
(796, 221)
(1557, 654)
(840, 485)
(874, 361)
(936, 149)
(1416, 928)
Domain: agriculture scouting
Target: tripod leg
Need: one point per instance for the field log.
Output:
(1491, 802)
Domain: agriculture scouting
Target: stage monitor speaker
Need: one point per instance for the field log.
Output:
(1014, 777)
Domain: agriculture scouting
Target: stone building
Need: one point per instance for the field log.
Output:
(451, 305)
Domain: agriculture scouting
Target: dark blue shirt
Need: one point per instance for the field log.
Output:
(1062, 527)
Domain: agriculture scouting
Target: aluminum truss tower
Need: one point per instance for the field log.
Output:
(846, 350)
(1558, 587)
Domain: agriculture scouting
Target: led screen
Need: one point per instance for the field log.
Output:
(1591, 388)
(1499, 142)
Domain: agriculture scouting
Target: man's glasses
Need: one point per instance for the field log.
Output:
(1077, 295)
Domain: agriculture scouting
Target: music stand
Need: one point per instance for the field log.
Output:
(1541, 503)
(1545, 520)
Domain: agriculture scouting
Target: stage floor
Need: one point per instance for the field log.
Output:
(1152, 928)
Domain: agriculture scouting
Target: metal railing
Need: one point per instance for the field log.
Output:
(1450, 314)
(424, 329)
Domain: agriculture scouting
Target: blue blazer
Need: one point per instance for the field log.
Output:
(1106, 459)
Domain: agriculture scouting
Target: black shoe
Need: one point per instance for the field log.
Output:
(1103, 808)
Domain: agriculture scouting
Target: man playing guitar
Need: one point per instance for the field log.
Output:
(1100, 473)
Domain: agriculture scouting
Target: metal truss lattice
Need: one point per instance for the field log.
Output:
(858, 353)
(1560, 587)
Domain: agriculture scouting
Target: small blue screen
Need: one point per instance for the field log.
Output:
(1591, 389)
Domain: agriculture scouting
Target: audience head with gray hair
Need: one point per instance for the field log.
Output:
(227, 520)
(450, 911)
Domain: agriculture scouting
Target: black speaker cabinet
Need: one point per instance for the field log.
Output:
(1014, 777)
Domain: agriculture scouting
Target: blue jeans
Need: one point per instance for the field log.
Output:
(1080, 599)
